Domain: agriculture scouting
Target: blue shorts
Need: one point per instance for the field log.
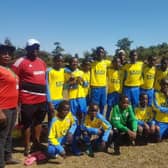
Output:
(78, 105)
(113, 99)
(133, 94)
(163, 128)
(150, 123)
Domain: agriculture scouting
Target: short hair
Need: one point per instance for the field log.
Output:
(62, 104)
(58, 56)
(98, 49)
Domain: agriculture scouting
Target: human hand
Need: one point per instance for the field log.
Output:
(69, 138)
(132, 134)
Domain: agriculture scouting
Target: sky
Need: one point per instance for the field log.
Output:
(80, 25)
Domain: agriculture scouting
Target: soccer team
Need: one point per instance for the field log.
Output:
(136, 99)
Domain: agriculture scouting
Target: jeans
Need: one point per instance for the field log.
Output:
(6, 137)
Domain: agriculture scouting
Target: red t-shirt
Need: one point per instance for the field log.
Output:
(8, 88)
(33, 74)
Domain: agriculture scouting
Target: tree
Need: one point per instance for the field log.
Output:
(7, 41)
(58, 49)
(124, 44)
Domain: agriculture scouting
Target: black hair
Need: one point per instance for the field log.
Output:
(123, 97)
(132, 52)
(71, 59)
(143, 94)
(58, 56)
(164, 59)
(98, 49)
(62, 104)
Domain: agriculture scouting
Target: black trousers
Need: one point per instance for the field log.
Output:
(6, 137)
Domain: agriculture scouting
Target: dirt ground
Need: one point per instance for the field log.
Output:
(149, 156)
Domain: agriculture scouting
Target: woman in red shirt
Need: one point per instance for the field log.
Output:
(8, 104)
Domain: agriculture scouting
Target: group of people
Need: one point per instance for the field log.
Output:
(136, 99)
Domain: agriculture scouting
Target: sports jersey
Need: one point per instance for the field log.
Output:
(32, 80)
(161, 107)
(8, 88)
(76, 90)
(143, 113)
(148, 77)
(86, 83)
(115, 80)
(98, 73)
(98, 122)
(60, 127)
(122, 118)
(159, 75)
(133, 74)
(55, 82)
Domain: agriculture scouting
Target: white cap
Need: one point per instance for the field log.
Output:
(31, 42)
(121, 51)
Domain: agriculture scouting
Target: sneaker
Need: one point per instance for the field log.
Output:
(89, 151)
(116, 150)
(27, 151)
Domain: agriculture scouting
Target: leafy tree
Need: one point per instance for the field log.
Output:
(124, 44)
(58, 49)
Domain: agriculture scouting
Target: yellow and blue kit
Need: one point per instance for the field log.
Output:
(132, 81)
(148, 82)
(158, 76)
(99, 122)
(98, 81)
(161, 109)
(115, 84)
(144, 114)
(59, 128)
(55, 83)
(86, 84)
(76, 92)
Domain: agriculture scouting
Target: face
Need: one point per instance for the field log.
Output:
(93, 110)
(74, 63)
(117, 63)
(122, 57)
(164, 64)
(143, 100)
(5, 58)
(58, 63)
(63, 111)
(100, 54)
(124, 102)
(86, 66)
(33, 51)
(133, 57)
(152, 61)
(164, 86)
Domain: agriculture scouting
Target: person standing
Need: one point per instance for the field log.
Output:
(31, 71)
(8, 104)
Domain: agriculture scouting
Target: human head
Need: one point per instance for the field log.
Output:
(58, 61)
(116, 62)
(93, 110)
(152, 60)
(63, 109)
(73, 63)
(124, 101)
(100, 53)
(122, 56)
(32, 48)
(143, 99)
(133, 56)
(164, 86)
(6, 52)
(85, 65)
(164, 63)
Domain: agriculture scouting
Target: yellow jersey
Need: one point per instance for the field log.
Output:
(161, 107)
(77, 90)
(148, 77)
(159, 75)
(60, 127)
(115, 80)
(98, 73)
(86, 83)
(144, 114)
(55, 82)
(133, 74)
